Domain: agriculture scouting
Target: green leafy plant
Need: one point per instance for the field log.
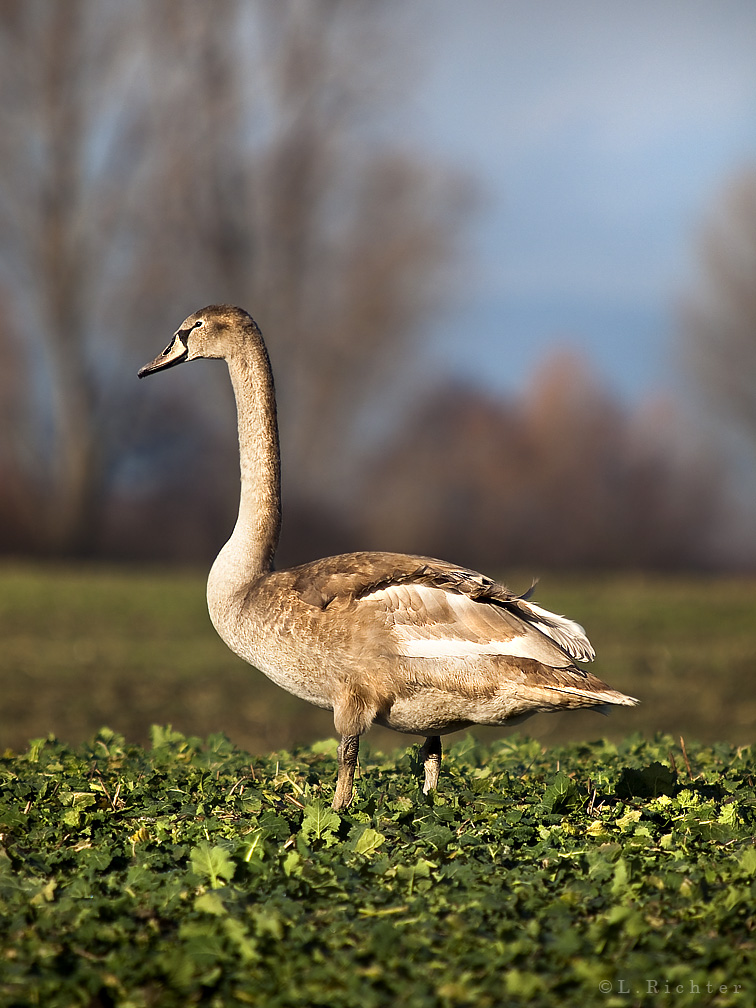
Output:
(190, 873)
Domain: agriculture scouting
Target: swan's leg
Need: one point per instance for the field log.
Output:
(430, 754)
(347, 757)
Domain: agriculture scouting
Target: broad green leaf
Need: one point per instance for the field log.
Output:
(747, 861)
(246, 946)
(367, 841)
(320, 822)
(211, 903)
(292, 864)
(214, 862)
(163, 735)
(561, 794)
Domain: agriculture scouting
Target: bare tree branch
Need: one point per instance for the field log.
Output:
(155, 156)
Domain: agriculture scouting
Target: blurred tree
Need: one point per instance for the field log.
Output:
(562, 476)
(719, 319)
(58, 216)
(157, 156)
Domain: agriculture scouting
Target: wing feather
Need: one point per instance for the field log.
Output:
(432, 601)
(430, 622)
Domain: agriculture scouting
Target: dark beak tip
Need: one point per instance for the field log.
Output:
(172, 355)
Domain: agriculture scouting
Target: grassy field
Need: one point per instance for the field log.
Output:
(86, 647)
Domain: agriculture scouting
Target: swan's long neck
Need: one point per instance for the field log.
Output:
(253, 542)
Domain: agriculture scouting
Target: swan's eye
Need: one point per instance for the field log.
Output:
(198, 324)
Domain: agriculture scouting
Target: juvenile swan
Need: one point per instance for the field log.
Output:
(416, 644)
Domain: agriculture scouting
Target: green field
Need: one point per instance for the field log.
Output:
(87, 647)
(588, 876)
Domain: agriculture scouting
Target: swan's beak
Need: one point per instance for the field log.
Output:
(172, 355)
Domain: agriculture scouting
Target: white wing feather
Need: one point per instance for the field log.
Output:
(431, 622)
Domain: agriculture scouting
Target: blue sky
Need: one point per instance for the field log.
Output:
(601, 134)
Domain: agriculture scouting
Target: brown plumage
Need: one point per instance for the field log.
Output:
(409, 642)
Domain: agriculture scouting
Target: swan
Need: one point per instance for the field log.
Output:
(419, 645)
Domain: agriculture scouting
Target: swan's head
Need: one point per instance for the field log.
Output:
(215, 331)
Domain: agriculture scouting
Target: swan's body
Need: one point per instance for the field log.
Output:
(412, 643)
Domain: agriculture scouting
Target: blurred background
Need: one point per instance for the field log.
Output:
(504, 259)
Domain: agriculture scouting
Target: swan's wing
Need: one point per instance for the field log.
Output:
(568, 635)
(492, 604)
(430, 622)
(430, 601)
